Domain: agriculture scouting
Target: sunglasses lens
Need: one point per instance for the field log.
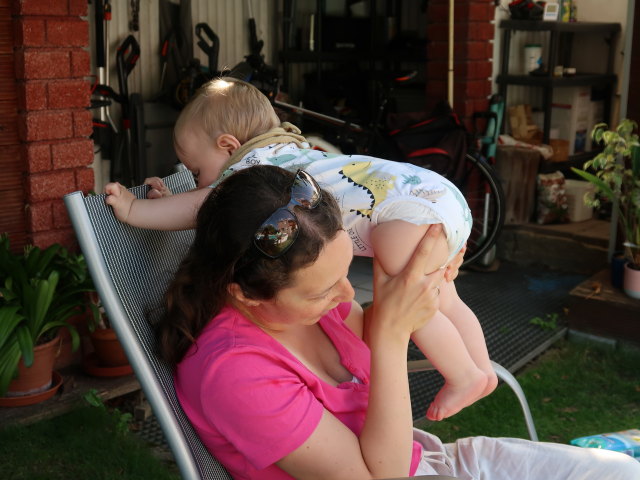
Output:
(305, 191)
(277, 233)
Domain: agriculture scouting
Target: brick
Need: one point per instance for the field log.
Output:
(40, 7)
(80, 63)
(482, 31)
(60, 215)
(438, 32)
(473, 69)
(474, 11)
(64, 236)
(68, 94)
(32, 95)
(78, 8)
(473, 50)
(38, 64)
(438, 12)
(74, 153)
(67, 33)
(38, 157)
(85, 180)
(437, 51)
(438, 68)
(29, 32)
(50, 185)
(82, 123)
(475, 89)
(46, 125)
(39, 216)
(9, 124)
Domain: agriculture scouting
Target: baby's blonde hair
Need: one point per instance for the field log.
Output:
(228, 105)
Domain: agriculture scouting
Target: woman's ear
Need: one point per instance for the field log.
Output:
(228, 142)
(238, 295)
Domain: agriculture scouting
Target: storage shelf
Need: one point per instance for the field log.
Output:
(561, 37)
(576, 161)
(567, 27)
(307, 56)
(590, 79)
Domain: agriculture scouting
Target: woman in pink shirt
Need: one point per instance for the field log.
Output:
(284, 376)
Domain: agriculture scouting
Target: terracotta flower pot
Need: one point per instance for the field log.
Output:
(36, 378)
(107, 348)
(631, 282)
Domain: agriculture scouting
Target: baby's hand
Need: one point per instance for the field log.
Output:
(120, 199)
(157, 188)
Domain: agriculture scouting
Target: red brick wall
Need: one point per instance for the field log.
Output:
(473, 51)
(50, 57)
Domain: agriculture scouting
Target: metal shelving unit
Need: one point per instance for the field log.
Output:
(561, 38)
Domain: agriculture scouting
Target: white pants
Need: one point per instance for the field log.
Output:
(484, 458)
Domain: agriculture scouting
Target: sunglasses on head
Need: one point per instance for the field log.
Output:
(278, 232)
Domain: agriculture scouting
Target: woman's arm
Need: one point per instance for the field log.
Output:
(401, 305)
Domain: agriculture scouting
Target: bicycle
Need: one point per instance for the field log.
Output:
(472, 173)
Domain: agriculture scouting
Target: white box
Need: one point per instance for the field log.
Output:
(574, 191)
(572, 114)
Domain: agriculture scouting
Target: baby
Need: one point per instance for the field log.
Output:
(386, 206)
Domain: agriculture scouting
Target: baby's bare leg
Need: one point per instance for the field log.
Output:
(394, 243)
(467, 324)
(464, 383)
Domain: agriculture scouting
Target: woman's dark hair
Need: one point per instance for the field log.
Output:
(223, 252)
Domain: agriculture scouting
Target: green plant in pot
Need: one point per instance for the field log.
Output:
(40, 290)
(616, 177)
(109, 358)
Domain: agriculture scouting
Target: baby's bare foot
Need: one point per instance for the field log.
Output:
(453, 397)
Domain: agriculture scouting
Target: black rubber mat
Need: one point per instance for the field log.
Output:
(505, 302)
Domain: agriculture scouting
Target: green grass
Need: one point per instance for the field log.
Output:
(573, 390)
(88, 443)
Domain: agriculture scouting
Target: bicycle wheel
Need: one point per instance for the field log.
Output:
(482, 189)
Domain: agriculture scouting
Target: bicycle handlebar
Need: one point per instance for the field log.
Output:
(320, 116)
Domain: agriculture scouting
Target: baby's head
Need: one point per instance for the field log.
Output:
(223, 114)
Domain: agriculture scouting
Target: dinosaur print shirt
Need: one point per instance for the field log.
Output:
(371, 190)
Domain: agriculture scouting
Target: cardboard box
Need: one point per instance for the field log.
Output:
(575, 190)
(572, 114)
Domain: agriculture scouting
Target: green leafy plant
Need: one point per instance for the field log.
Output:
(550, 322)
(121, 419)
(40, 290)
(616, 178)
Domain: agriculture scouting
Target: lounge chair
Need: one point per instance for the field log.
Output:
(131, 268)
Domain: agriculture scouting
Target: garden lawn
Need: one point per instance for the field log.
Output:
(88, 443)
(573, 389)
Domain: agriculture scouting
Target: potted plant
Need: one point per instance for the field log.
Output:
(108, 358)
(40, 290)
(616, 178)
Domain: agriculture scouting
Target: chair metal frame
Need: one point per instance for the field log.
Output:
(130, 268)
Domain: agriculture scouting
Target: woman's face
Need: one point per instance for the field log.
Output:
(314, 290)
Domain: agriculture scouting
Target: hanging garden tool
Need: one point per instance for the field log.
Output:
(128, 165)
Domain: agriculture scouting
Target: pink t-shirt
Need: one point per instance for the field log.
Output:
(252, 402)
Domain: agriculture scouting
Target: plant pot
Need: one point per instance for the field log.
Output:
(107, 348)
(631, 283)
(618, 262)
(38, 377)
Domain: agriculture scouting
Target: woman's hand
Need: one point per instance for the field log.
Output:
(405, 302)
(452, 270)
